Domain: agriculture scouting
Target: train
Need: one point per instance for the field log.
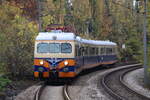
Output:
(59, 54)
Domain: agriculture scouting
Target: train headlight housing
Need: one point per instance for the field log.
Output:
(66, 63)
(41, 62)
(66, 69)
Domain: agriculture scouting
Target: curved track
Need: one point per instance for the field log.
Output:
(65, 93)
(113, 83)
(39, 92)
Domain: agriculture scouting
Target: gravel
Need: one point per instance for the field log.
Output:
(88, 87)
(28, 94)
(135, 80)
(52, 93)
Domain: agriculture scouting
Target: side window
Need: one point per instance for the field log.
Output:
(99, 51)
(102, 51)
(76, 50)
(96, 51)
(109, 51)
(66, 48)
(86, 51)
(79, 52)
(113, 50)
(92, 51)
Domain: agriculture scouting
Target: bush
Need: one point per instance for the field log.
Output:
(3, 83)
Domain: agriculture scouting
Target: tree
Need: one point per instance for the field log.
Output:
(17, 39)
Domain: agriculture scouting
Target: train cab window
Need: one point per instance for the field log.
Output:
(54, 48)
(43, 48)
(66, 48)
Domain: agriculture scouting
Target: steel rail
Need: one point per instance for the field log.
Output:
(65, 93)
(111, 91)
(39, 92)
(127, 86)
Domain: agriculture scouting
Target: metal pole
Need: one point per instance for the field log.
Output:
(146, 76)
(39, 15)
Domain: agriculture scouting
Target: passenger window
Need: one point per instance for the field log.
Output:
(86, 51)
(96, 51)
(102, 51)
(109, 51)
(92, 51)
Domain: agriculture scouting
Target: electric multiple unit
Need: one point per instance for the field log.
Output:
(60, 54)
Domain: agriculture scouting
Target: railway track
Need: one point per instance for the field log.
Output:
(39, 92)
(114, 84)
(65, 93)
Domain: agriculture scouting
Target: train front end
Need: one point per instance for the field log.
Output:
(54, 56)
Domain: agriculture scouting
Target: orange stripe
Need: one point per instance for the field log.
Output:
(70, 63)
(37, 62)
(67, 74)
(36, 74)
(110, 62)
(98, 64)
(45, 74)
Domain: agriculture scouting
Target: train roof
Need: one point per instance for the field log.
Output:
(95, 42)
(55, 36)
(58, 35)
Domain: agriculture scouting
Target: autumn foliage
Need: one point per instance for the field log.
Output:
(28, 7)
(115, 20)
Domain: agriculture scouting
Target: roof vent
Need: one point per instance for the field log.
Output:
(54, 37)
(56, 31)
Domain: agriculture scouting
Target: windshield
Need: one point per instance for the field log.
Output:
(54, 48)
(43, 48)
(66, 48)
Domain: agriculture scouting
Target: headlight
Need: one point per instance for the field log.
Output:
(66, 63)
(66, 69)
(41, 62)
